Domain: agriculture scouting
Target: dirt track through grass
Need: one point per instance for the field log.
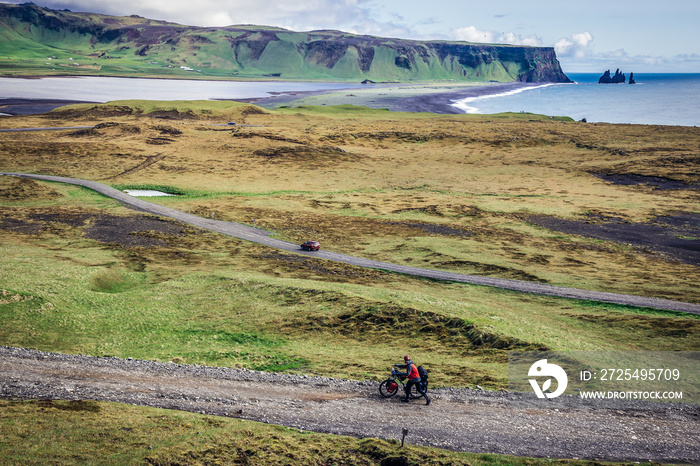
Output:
(261, 237)
(457, 419)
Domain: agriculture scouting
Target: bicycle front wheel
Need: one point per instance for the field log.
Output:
(388, 388)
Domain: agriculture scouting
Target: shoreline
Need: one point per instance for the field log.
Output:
(462, 103)
(437, 98)
(396, 97)
(14, 106)
(445, 103)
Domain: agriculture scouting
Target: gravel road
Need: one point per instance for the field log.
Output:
(457, 419)
(260, 236)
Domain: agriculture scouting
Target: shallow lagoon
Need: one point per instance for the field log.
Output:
(103, 89)
(146, 193)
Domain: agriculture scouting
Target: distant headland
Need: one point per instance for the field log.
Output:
(39, 41)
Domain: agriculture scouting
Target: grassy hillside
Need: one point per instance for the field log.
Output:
(82, 274)
(122, 434)
(40, 41)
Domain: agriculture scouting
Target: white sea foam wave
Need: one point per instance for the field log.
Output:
(464, 104)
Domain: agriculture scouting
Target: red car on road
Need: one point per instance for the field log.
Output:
(311, 246)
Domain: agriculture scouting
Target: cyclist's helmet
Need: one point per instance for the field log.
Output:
(407, 358)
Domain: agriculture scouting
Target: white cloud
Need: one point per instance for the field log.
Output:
(576, 55)
(513, 39)
(575, 45)
(300, 15)
(599, 62)
(472, 34)
(654, 61)
(219, 17)
(374, 28)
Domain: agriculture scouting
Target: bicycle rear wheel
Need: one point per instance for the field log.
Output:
(388, 388)
(414, 392)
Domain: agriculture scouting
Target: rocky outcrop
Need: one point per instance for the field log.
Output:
(253, 51)
(632, 81)
(605, 79)
(618, 78)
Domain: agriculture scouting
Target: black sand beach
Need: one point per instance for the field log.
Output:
(442, 102)
(426, 98)
(15, 106)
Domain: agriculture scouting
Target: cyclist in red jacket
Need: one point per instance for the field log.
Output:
(413, 379)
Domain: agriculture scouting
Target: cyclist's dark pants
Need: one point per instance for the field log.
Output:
(417, 383)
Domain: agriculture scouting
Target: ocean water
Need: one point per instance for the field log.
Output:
(663, 99)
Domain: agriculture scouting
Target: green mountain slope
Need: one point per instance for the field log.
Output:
(41, 41)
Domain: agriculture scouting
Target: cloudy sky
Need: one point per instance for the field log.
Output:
(588, 36)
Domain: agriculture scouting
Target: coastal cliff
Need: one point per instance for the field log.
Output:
(61, 42)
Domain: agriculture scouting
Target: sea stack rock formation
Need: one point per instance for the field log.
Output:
(632, 81)
(607, 79)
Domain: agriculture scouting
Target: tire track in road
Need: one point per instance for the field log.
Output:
(259, 236)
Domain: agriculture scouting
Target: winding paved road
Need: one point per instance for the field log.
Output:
(255, 235)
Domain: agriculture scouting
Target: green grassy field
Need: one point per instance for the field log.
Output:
(207, 299)
(82, 274)
(449, 193)
(87, 432)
